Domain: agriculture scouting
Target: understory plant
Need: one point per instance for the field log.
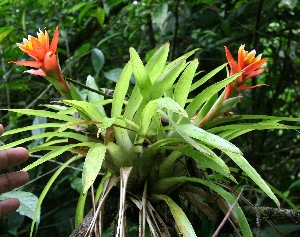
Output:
(164, 141)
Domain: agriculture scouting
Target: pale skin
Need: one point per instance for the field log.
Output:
(9, 181)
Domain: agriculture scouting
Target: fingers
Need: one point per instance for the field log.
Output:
(1, 129)
(8, 206)
(13, 156)
(13, 180)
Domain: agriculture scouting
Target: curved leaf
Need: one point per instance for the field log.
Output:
(251, 172)
(183, 223)
(47, 114)
(76, 136)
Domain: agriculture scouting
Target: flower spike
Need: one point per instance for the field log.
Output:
(248, 64)
(45, 59)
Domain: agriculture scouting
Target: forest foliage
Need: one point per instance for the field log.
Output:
(95, 37)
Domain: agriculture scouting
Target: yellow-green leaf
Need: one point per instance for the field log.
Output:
(92, 165)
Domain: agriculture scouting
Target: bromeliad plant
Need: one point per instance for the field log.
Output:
(152, 142)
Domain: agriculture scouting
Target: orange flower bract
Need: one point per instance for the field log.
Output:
(248, 64)
(45, 56)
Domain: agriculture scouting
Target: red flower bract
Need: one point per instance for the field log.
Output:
(45, 56)
(248, 64)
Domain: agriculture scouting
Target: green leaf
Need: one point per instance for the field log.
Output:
(183, 57)
(80, 209)
(92, 96)
(92, 165)
(120, 157)
(28, 202)
(86, 108)
(101, 188)
(76, 136)
(55, 153)
(207, 77)
(47, 114)
(208, 159)
(121, 90)
(97, 60)
(75, 93)
(5, 31)
(218, 108)
(49, 145)
(148, 112)
(133, 103)
(161, 85)
(182, 87)
(32, 127)
(208, 138)
(113, 74)
(252, 126)
(100, 15)
(205, 95)
(77, 6)
(185, 136)
(233, 118)
(205, 108)
(85, 10)
(140, 73)
(252, 173)
(157, 62)
(166, 80)
(183, 223)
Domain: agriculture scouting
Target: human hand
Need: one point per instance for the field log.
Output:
(9, 181)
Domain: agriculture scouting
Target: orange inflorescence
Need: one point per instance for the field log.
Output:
(248, 64)
(45, 56)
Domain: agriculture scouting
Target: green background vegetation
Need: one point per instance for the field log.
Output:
(271, 27)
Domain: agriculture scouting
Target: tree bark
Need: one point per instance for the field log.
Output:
(275, 215)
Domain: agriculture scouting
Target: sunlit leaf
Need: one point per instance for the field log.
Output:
(182, 87)
(140, 73)
(92, 165)
(157, 62)
(85, 107)
(121, 90)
